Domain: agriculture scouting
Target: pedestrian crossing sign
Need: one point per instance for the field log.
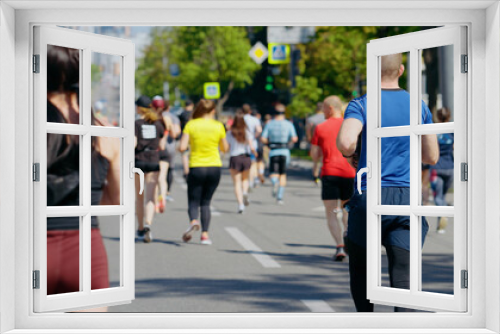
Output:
(279, 53)
(211, 90)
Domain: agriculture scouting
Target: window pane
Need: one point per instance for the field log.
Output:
(437, 82)
(63, 255)
(105, 169)
(395, 96)
(395, 171)
(63, 85)
(438, 256)
(106, 89)
(106, 252)
(63, 170)
(438, 180)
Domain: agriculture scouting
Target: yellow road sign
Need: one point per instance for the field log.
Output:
(211, 90)
(279, 53)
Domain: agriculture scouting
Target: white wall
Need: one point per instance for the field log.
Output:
(493, 161)
(7, 185)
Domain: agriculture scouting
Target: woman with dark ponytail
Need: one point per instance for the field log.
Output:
(205, 136)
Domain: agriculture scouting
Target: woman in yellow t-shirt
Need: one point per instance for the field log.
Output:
(205, 136)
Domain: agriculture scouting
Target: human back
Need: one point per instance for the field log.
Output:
(204, 137)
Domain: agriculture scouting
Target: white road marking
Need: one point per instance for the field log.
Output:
(319, 306)
(263, 258)
(318, 209)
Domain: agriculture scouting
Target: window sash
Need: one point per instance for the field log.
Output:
(86, 43)
(414, 298)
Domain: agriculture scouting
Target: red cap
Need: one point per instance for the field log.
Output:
(158, 104)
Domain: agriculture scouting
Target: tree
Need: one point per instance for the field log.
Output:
(203, 54)
(306, 94)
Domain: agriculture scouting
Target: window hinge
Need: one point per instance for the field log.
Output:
(36, 279)
(464, 171)
(465, 279)
(36, 63)
(465, 64)
(36, 172)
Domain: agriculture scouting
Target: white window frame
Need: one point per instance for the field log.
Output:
(483, 21)
(414, 43)
(86, 43)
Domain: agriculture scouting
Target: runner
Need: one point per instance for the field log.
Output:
(158, 105)
(278, 134)
(185, 117)
(205, 136)
(311, 124)
(63, 186)
(149, 130)
(337, 176)
(240, 142)
(442, 172)
(395, 180)
(261, 167)
(253, 124)
(170, 146)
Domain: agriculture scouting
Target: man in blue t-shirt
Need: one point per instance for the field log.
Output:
(395, 181)
(277, 134)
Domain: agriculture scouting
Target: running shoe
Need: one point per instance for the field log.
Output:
(246, 201)
(241, 209)
(192, 228)
(204, 240)
(340, 254)
(148, 235)
(170, 198)
(443, 222)
(280, 202)
(140, 235)
(161, 204)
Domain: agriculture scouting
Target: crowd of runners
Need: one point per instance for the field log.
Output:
(337, 139)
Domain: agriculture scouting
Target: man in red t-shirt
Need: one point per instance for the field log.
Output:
(337, 175)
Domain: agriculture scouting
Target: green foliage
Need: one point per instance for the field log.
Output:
(337, 56)
(203, 54)
(305, 96)
(95, 73)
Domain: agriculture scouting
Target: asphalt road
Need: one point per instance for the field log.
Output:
(271, 259)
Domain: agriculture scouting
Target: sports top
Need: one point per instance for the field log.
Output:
(204, 138)
(325, 136)
(279, 132)
(395, 150)
(148, 140)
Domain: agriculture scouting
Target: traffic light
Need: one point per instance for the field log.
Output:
(269, 83)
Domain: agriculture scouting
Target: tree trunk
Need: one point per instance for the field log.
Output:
(220, 102)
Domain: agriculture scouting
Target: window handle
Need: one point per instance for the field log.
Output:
(133, 171)
(360, 173)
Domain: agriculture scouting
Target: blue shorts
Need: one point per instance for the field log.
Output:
(395, 229)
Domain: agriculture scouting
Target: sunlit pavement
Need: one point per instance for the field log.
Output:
(272, 258)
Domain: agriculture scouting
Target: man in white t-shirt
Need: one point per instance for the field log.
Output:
(253, 125)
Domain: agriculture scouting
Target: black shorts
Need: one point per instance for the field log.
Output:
(164, 156)
(260, 152)
(240, 163)
(335, 187)
(277, 165)
(147, 166)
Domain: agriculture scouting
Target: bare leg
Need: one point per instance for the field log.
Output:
(162, 178)
(245, 181)
(282, 180)
(139, 203)
(151, 180)
(236, 176)
(332, 221)
(253, 173)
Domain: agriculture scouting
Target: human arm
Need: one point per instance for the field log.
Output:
(183, 146)
(430, 149)
(223, 145)
(315, 152)
(264, 138)
(252, 148)
(347, 138)
(109, 148)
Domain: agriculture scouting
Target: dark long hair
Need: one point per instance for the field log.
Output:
(203, 107)
(239, 127)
